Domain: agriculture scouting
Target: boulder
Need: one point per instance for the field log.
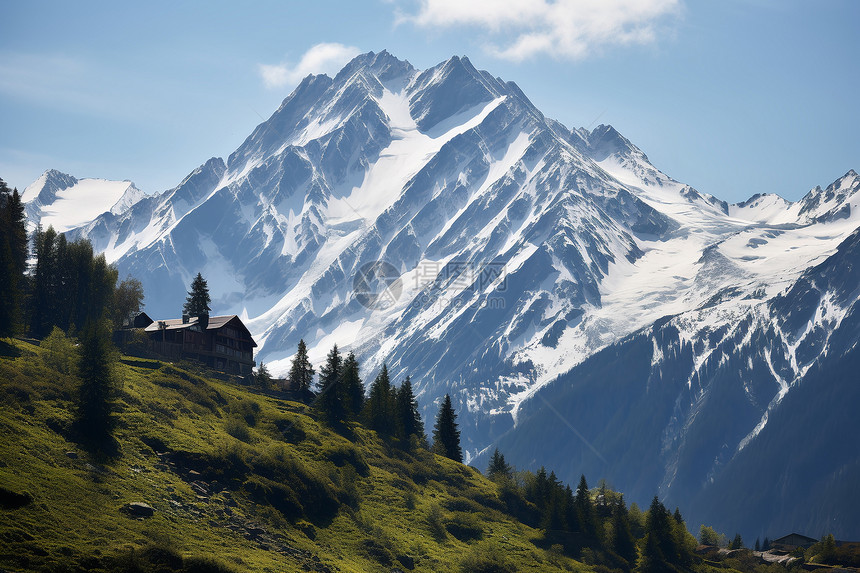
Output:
(138, 509)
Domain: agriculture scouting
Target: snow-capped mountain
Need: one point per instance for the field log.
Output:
(64, 202)
(437, 221)
(745, 417)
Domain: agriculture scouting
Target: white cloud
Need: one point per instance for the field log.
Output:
(322, 58)
(568, 29)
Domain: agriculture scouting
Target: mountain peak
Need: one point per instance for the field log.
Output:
(382, 65)
(45, 188)
(448, 88)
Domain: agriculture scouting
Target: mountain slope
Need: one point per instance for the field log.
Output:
(236, 481)
(748, 422)
(64, 202)
(515, 250)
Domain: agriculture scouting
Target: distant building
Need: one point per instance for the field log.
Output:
(792, 541)
(220, 342)
(142, 320)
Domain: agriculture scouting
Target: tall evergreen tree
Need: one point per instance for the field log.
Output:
(352, 386)
(553, 510)
(651, 558)
(330, 398)
(301, 371)
(262, 377)
(45, 284)
(571, 515)
(660, 531)
(737, 542)
(13, 259)
(498, 467)
(408, 417)
(623, 542)
(198, 300)
(95, 397)
(379, 410)
(446, 435)
(71, 286)
(585, 513)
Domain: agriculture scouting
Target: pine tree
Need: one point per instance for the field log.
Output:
(737, 542)
(757, 544)
(765, 545)
(571, 516)
(585, 512)
(446, 435)
(408, 417)
(662, 530)
(379, 409)
(9, 294)
(95, 397)
(45, 284)
(197, 302)
(351, 386)
(623, 542)
(498, 467)
(301, 372)
(651, 558)
(330, 398)
(13, 259)
(553, 512)
(263, 377)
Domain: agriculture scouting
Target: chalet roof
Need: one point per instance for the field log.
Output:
(215, 322)
(794, 539)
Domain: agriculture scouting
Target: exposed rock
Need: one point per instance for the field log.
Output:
(406, 561)
(138, 509)
(13, 500)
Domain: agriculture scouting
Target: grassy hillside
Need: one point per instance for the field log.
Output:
(238, 481)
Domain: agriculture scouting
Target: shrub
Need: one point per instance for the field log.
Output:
(237, 428)
(59, 352)
(486, 558)
(247, 409)
(378, 552)
(205, 565)
(463, 504)
(346, 454)
(277, 495)
(464, 526)
(436, 524)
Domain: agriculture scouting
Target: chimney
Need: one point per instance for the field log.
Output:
(203, 321)
(184, 318)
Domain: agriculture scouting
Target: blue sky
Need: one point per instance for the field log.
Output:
(732, 97)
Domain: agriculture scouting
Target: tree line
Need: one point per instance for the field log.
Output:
(62, 287)
(595, 525)
(68, 285)
(392, 411)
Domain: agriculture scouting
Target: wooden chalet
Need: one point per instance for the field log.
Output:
(220, 342)
(792, 541)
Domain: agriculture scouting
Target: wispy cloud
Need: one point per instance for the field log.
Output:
(566, 29)
(49, 78)
(321, 58)
(76, 85)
